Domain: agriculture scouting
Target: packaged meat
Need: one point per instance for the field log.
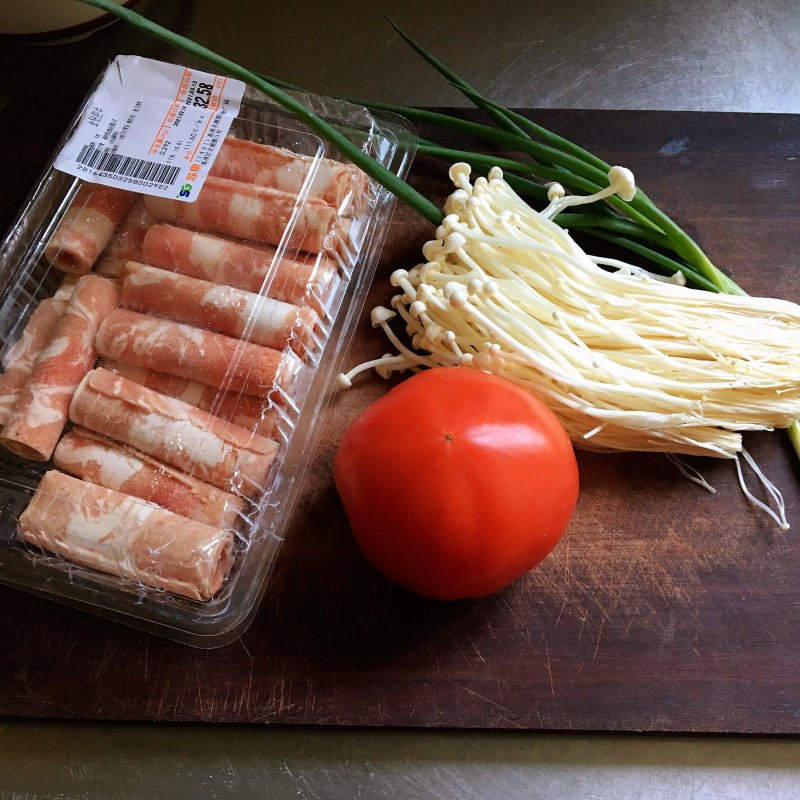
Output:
(112, 532)
(19, 360)
(224, 309)
(87, 227)
(257, 214)
(172, 318)
(295, 280)
(336, 183)
(37, 419)
(175, 432)
(245, 410)
(189, 352)
(111, 464)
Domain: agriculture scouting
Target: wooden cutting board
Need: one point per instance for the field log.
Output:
(663, 609)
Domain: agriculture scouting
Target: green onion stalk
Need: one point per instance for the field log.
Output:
(637, 225)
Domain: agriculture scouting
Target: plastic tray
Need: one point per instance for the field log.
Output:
(310, 360)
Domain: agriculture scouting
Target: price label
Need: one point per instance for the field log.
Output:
(152, 127)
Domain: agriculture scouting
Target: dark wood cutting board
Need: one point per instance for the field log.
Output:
(663, 609)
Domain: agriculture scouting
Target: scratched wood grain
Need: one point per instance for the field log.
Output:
(663, 609)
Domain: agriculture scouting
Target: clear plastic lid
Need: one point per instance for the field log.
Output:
(166, 363)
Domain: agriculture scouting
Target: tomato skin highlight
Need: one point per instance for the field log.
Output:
(456, 482)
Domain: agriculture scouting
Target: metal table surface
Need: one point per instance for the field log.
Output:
(727, 55)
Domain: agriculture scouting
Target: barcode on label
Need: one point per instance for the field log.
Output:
(101, 160)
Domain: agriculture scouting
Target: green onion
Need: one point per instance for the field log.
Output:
(550, 163)
(497, 113)
(794, 436)
(666, 263)
(622, 227)
(585, 165)
(650, 218)
(574, 161)
(572, 180)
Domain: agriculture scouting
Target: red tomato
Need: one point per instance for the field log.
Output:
(456, 482)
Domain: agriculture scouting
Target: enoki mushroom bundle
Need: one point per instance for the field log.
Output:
(628, 360)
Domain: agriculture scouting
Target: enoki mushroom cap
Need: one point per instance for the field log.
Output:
(622, 182)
